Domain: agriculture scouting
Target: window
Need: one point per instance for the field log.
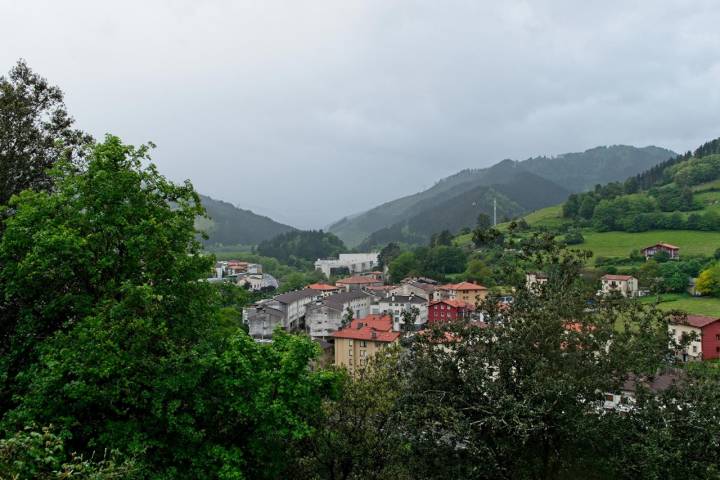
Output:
(363, 343)
(694, 348)
(717, 337)
(363, 353)
(350, 352)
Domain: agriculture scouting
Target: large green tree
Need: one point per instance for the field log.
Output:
(35, 131)
(112, 337)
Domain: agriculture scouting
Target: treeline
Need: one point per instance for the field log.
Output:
(302, 247)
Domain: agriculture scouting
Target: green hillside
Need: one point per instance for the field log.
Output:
(619, 244)
(532, 184)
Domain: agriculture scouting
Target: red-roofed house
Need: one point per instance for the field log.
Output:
(356, 343)
(671, 250)
(707, 344)
(324, 288)
(449, 310)
(358, 282)
(465, 291)
(625, 285)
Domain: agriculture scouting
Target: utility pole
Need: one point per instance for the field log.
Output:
(494, 212)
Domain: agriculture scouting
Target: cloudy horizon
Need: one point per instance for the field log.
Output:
(291, 109)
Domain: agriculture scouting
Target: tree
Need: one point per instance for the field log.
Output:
(409, 316)
(574, 237)
(35, 131)
(347, 317)
(110, 336)
(478, 271)
(443, 238)
(403, 266)
(388, 253)
(708, 282)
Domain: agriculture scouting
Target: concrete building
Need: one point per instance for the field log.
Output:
(324, 316)
(625, 285)
(420, 287)
(394, 306)
(262, 317)
(258, 282)
(347, 263)
(359, 342)
(534, 279)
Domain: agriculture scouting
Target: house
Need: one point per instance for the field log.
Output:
(671, 250)
(347, 263)
(357, 343)
(325, 316)
(467, 292)
(449, 310)
(534, 279)
(262, 317)
(324, 289)
(625, 285)
(257, 282)
(420, 287)
(706, 345)
(394, 305)
(358, 282)
(625, 399)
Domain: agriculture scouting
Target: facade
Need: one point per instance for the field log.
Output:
(394, 305)
(347, 263)
(465, 291)
(448, 310)
(357, 343)
(325, 316)
(358, 282)
(534, 279)
(625, 285)
(258, 282)
(671, 250)
(420, 287)
(262, 317)
(706, 345)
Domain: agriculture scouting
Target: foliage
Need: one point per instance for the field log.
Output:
(35, 131)
(574, 237)
(41, 455)
(298, 248)
(110, 336)
(443, 238)
(388, 253)
(478, 271)
(708, 282)
(404, 265)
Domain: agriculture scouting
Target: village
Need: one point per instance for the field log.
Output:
(362, 313)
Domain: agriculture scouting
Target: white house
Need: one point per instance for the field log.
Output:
(394, 305)
(287, 309)
(625, 285)
(324, 316)
(347, 263)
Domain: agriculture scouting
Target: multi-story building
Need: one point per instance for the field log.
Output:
(533, 280)
(324, 288)
(394, 305)
(356, 344)
(325, 316)
(347, 263)
(625, 285)
(448, 310)
(358, 282)
(465, 291)
(706, 333)
(287, 309)
(420, 287)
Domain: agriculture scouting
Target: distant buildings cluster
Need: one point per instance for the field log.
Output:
(246, 274)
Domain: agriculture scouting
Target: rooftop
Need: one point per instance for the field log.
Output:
(339, 299)
(621, 278)
(377, 328)
(455, 303)
(666, 245)
(403, 299)
(357, 280)
(291, 297)
(322, 287)
(697, 321)
(463, 286)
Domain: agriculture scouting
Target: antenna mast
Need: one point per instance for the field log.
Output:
(494, 212)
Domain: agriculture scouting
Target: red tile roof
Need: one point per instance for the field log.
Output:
(697, 321)
(455, 303)
(617, 277)
(357, 280)
(666, 245)
(322, 286)
(463, 286)
(377, 328)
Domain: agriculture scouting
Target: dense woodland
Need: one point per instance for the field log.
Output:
(117, 362)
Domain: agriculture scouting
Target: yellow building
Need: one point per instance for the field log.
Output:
(358, 342)
(467, 292)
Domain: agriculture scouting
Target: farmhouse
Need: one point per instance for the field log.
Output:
(671, 250)
(625, 285)
(706, 344)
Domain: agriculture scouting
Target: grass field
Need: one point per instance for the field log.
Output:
(693, 305)
(619, 244)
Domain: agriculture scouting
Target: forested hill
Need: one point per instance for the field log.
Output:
(532, 184)
(230, 225)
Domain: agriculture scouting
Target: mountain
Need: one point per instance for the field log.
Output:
(528, 183)
(230, 225)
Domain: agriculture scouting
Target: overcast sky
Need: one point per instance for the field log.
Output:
(311, 110)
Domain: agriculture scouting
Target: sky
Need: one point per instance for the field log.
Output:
(307, 111)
